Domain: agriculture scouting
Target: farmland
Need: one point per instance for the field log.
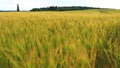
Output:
(70, 39)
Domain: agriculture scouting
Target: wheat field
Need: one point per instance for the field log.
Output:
(70, 39)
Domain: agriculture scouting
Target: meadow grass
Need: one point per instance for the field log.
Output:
(71, 39)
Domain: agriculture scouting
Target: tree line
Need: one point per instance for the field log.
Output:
(56, 8)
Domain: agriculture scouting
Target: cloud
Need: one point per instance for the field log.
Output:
(29, 4)
(5, 4)
(103, 3)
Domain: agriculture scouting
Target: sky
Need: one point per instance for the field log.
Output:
(29, 4)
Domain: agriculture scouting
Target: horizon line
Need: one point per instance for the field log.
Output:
(60, 6)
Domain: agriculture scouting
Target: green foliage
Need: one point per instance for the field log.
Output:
(56, 8)
(35, 9)
(18, 8)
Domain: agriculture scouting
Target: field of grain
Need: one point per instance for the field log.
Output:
(70, 39)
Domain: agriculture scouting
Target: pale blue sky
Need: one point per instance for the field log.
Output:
(29, 4)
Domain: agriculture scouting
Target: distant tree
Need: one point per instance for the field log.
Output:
(53, 8)
(18, 9)
(35, 9)
(64, 8)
